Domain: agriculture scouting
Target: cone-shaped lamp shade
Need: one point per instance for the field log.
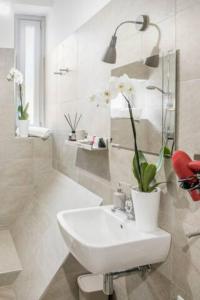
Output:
(153, 60)
(111, 53)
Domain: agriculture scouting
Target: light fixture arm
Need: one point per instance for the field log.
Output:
(125, 22)
(159, 32)
(141, 23)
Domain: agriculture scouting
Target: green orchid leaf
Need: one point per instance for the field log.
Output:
(149, 176)
(167, 152)
(143, 167)
(143, 163)
(153, 187)
(142, 158)
(26, 108)
(23, 114)
(20, 108)
(164, 153)
(135, 170)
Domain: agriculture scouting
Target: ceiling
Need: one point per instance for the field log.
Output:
(32, 7)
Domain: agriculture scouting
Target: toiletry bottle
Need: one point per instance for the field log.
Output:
(119, 198)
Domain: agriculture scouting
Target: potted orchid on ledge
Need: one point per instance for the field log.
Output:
(23, 122)
(146, 195)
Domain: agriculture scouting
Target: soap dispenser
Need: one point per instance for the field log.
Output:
(119, 198)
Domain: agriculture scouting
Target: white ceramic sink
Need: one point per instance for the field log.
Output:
(105, 242)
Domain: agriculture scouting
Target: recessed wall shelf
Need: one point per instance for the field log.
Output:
(84, 146)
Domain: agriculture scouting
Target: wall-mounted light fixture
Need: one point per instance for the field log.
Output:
(153, 59)
(141, 24)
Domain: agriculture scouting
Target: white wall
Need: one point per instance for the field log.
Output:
(35, 2)
(19, 6)
(7, 31)
(67, 16)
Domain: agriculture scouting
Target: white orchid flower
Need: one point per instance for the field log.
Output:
(16, 76)
(122, 84)
(93, 98)
(117, 85)
(125, 85)
(129, 89)
(96, 98)
(108, 94)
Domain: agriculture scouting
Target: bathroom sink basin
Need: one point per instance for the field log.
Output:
(104, 241)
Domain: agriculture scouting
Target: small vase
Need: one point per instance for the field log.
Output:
(146, 208)
(72, 136)
(23, 128)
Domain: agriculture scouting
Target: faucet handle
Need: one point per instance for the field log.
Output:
(129, 209)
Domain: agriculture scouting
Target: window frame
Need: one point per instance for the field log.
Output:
(42, 20)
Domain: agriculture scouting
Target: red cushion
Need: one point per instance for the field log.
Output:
(194, 166)
(185, 167)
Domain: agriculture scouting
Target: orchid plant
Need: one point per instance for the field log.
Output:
(143, 171)
(16, 76)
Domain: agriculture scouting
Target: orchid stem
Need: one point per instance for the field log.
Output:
(135, 138)
(20, 96)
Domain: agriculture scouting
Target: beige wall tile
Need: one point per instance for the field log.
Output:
(185, 4)
(17, 148)
(24, 162)
(188, 118)
(37, 235)
(187, 40)
(7, 121)
(7, 293)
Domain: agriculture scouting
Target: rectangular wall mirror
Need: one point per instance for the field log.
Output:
(154, 106)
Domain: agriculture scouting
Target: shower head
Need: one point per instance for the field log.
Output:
(153, 87)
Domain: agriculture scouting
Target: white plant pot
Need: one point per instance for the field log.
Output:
(146, 207)
(23, 128)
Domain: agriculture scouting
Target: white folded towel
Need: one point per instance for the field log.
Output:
(41, 132)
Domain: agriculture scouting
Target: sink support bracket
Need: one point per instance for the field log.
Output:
(110, 277)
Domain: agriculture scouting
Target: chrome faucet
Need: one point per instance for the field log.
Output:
(125, 204)
(129, 209)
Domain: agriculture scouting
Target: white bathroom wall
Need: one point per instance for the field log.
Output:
(38, 7)
(31, 194)
(69, 15)
(37, 237)
(35, 2)
(100, 172)
(7, 31)
(82, 53)
(178, 21)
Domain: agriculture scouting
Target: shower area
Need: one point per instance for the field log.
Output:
(31, 194)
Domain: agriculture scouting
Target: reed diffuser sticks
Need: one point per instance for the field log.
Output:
(73, 125)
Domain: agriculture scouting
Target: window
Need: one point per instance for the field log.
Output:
(29, 46)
